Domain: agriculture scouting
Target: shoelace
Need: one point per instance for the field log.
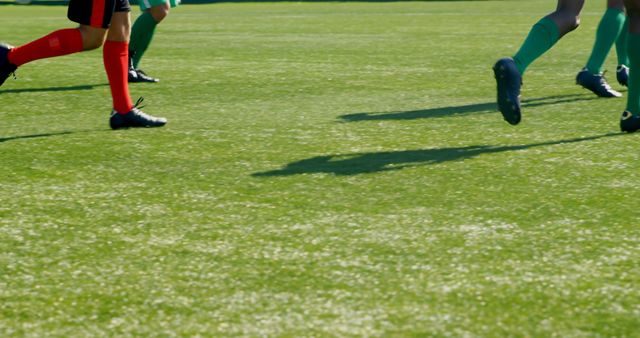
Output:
(136, 109)
(137, 105)
(603, 81)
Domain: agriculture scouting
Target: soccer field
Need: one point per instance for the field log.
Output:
(328, 169)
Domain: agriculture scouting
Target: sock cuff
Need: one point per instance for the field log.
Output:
(148, 18)
(549, 26)
(615, 11)
(117, 44)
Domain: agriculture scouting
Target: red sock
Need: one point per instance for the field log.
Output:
(60, 42)
(116, 62)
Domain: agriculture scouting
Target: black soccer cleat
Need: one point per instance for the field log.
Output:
(596, 83)
(622, 75)
(6, 67)
(135, 119)
(629, 122)
(509, 81)
(137, 75)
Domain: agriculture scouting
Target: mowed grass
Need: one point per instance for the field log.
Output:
(329, 169)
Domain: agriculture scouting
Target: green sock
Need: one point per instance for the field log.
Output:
(141, 36)
(633, 96)
(621, 44)
(543, 35)
(609, 28)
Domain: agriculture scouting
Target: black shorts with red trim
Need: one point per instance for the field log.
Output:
(96, 13)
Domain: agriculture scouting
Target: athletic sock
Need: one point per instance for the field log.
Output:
(621, 44)
(60, 42)
(633, 96)
(543, 35)
(116, 61)
(141, 36)
(609, 29)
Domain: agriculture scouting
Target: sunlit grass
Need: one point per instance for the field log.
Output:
(328, 169)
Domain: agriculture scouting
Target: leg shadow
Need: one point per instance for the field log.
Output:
(488, 107)
(40, 2)
(60, 133)
(11, 138)
(52, 89)
(363, 163)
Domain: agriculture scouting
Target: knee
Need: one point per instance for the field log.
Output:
(159, 12)
(569, 20)
(92, 38)
(120, 28)
(92, 43)
(573, 24)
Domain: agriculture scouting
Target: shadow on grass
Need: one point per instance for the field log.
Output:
(21, 137)
(488, 107)
(202, 2)
(363, 163)
(52, 89)
(52, 134)
(39, 2)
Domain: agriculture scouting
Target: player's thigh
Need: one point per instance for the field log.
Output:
(633, 6)
(572, 7)
(120, 25)
(120, 28)
(618, 4)
(633, 11)
(159, 12)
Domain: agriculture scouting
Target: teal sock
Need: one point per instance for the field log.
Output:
(633, 96)
(621, 44)
(608, 31)
(141, 36)
(543, 35)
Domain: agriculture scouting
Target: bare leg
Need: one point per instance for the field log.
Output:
(630, 121)
(567, 15)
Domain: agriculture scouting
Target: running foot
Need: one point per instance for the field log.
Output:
(629, 122)
(135, 119)
(596, 83)
(509, 81)
(6, 67)
(622, 75)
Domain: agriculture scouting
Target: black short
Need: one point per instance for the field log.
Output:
(96, 13)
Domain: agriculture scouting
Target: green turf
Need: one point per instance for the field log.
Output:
(329, 169)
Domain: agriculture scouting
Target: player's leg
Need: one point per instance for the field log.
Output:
(543, 35)
(610, 27)
(89, 35)
(153, 12)
(116, 62)
(546, 32)
(630, 121)
(622, 70)
(115, 55)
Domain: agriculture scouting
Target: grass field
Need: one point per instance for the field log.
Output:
(329, 169)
